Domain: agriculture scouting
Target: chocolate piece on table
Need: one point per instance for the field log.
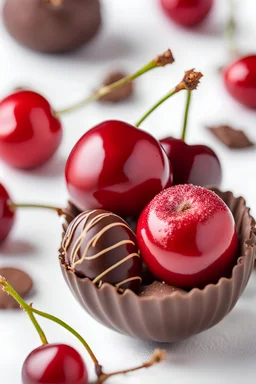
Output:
(20, 281)
(158, 289)
(119, 94)
(52, 25)
(101, 246)
(232, 138)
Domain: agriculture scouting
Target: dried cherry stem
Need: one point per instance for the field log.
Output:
(159, 61)
(30, 311)
(231, 29)
(189, 82)
(60, 211)
(157, 356)
(185, 121)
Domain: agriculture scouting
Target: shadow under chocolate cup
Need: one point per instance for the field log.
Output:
(174, 315)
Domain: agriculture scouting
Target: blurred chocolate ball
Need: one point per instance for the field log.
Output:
(101, 246)
(52, 25)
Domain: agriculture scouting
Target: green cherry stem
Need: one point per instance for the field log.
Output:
(30, 311)
(58, 210)
(159, 61)
(11, 291)
(185, 122)
(231, 29)
(189, 82)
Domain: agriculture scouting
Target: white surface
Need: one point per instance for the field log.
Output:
(134, 32)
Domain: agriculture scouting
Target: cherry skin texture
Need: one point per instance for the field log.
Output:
(187, 12)
(117, 167)
(187, 237)
(29, 132)
(192, 164)
(54, 364)
(7, 216)
(240, 80)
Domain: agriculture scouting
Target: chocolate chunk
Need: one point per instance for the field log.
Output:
(20, 281)
(52, 25)
(230, 137)
(158, 289)
(120, 94)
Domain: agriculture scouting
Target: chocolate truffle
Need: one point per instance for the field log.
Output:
(52, 25)
(101, 246)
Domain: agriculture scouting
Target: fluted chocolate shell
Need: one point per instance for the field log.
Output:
(175, 315)
(52, 26)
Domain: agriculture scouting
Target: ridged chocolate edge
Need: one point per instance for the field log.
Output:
(177, 316)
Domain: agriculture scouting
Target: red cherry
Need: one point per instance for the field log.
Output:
(192, 164)
(6, 214)
(187, 12)
(117, 167)
(54, 364)
(29, 132)
(240, 80)
(187, 237)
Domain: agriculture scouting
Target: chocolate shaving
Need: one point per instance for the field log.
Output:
(232, 138)
(120, 94)
(20, 281)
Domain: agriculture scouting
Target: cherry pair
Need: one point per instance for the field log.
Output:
(118, 167)
(61, 363)
(31, 131)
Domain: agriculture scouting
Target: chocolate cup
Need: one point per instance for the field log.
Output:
(179, 315)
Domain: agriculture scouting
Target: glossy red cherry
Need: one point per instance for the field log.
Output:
(187, 237)
(6, 214)
(240, 80)
(192, 164)
(29, 132)
(187, 12)
(54, 364)
(117, 167)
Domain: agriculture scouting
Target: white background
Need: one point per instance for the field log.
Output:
(133, 33)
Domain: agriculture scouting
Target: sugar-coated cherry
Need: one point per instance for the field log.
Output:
(240, 80)
(6, 214)
(187, 12)
(187, 237)
(192, 164)
(54, 364)
(117, 167)
(29, 132)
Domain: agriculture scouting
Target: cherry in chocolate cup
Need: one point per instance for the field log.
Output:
(169, 315)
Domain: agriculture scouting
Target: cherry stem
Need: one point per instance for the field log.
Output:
(230, 30)
(159, 61)
(155, 106)
(30, 311)
(60, 211)
(11, 291)
(189, 82)
(157, 356)
(185, 122)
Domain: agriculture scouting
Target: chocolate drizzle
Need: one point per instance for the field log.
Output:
(97, 237)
